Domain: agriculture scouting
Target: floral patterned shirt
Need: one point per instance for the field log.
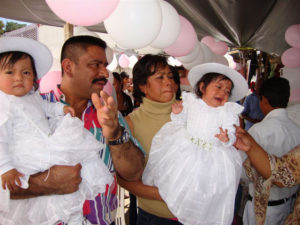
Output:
(285, 170)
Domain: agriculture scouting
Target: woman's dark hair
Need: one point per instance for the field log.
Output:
(117, 76)
(176, 80)
(124, 75)
(276, 90)
(207, 79)
(10, 58)
(144, 68)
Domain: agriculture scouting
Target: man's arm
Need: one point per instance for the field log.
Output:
(127, 158)
(56, 180)
(139, 189)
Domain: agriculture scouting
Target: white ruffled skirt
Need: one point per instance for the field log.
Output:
(198, 184)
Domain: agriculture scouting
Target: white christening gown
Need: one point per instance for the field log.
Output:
(28, 144)
(197, 175)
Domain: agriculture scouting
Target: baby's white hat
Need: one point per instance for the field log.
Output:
(39, 52)
(240, 86)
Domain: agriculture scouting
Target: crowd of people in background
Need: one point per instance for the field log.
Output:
(148, 143)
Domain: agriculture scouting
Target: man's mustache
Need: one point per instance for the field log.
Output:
(100, 79)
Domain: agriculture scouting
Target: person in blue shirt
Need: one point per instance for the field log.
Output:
(252, 113)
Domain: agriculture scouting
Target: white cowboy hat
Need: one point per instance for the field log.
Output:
(39, 52)
(240, 86)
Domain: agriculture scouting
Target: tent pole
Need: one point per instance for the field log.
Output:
(68, 30)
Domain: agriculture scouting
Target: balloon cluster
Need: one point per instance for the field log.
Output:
(291, 57)
(136, 24)
(208, 50)
(156, 23)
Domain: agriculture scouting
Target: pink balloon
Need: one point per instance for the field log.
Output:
(83, 12)
(124, 61)
(49, 81)
(292, 35)
(209, 41)
(295, 95)
(219, 48)
(291, 57)
(186, 40)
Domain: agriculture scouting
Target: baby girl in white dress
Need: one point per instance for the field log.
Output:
(192, 160)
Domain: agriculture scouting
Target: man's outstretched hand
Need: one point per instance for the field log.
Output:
(107, 114)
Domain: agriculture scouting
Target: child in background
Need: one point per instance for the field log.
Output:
(29, 144)
(192, 160)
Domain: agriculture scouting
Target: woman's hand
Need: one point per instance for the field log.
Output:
(244, 141)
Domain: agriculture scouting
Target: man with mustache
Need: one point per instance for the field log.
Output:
(84, 74)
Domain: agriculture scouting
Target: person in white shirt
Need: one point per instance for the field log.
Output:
(277, 134)
(293, 111)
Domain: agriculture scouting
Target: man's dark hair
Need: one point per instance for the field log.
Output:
(144, 68)
(72, 46)
(277, 91)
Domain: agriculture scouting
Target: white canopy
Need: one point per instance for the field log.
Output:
(240, 23)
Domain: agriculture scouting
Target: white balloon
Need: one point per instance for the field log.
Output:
(198, 60)
(113, 65)
(134, 24)
(204, 55)
(170, 27)
(221, 59)
(209, 56)
(133, 60)
(191, 56)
